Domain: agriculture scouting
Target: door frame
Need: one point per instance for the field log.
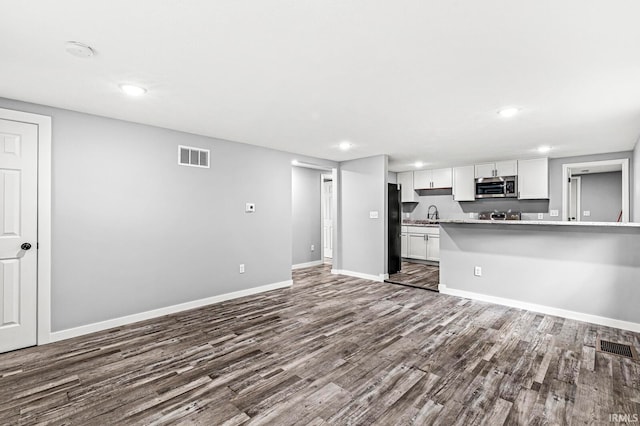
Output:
(624, 162)
(325, 177)
(578, 180)
(43, 245)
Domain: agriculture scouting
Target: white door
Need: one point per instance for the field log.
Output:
(18, 230)
(327, 215)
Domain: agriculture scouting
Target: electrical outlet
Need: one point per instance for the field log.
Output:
(313, 247)
(373, 214)
(250, 208)
(553, 213)
(242, 268)
(540, 216)
(477, 271)
(586, 213)
(471, 215)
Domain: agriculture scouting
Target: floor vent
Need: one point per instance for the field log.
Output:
(619, 349)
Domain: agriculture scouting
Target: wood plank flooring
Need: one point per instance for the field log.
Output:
(330, 350)
(417, 275)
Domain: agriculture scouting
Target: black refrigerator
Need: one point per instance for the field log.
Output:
(394, 228)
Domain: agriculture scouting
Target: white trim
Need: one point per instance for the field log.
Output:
(548, 310)
(378, 278)
(306, 264)
(117, 322)
(624, 162)
(44, 215)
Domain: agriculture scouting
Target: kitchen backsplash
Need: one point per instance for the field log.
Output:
(449, 209)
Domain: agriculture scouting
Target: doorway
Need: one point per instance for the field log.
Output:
(596, 191)
(25, 229)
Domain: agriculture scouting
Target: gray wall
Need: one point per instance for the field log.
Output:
(306, 214)
(636, 183)
(592, 270)
(132, 231)
(363, 240)
(601, 195)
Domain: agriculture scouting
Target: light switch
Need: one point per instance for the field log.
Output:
(553, 213)
(373, 214)
(250, 208)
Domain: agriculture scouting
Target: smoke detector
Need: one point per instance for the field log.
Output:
(78, 49)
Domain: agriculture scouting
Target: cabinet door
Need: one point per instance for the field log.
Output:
(422, 179)
(464, 186)
(433, 248)
(533, 179)
(404, 245)
(417, 246)
(441, 178)
(407, 194)
(507, 168)
(484, 170)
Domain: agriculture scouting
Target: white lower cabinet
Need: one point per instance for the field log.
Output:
(420, 242)
(433, 247)
(404, 245)
(417, 246)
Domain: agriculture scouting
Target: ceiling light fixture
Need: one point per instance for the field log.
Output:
(418, 164)
(345, 146)
(544, 148)
(295, 162)
(508, 112)
(79, 50)
(133, 90)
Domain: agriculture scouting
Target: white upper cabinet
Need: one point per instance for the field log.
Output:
(441, 178)
(432, 179)
(464, 188)
(407, 192)
(533, 179)
(499, 168)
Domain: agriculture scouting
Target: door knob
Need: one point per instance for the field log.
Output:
(25, 246)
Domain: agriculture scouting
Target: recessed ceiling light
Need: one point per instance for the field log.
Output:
(133, 90)
(295, 162)
(345, 146)
(508, 112)
(544, 148)
(78, 49)
(418, 164)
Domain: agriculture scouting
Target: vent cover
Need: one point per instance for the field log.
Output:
(193, 157)
(619, 349)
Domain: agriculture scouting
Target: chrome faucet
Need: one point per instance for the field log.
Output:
(433, 215)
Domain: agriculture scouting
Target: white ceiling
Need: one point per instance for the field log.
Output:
(418, 80)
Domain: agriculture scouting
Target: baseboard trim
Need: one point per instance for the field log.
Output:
(549, 310)
(306, 264)
(378, 278)
(129, 319)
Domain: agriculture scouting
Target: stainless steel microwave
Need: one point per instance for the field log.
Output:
(497, 187)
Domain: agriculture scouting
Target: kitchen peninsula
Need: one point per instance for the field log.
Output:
(588, 271)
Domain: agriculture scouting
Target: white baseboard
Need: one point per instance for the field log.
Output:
(378, 278)
(117, 322)
(549, 310)
(306, 264)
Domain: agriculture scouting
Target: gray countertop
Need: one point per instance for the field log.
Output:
(542, 222)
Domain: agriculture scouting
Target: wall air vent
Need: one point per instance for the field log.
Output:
(193, 157)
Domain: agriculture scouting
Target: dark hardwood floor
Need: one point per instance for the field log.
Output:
(331, 350)
(418, 275)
